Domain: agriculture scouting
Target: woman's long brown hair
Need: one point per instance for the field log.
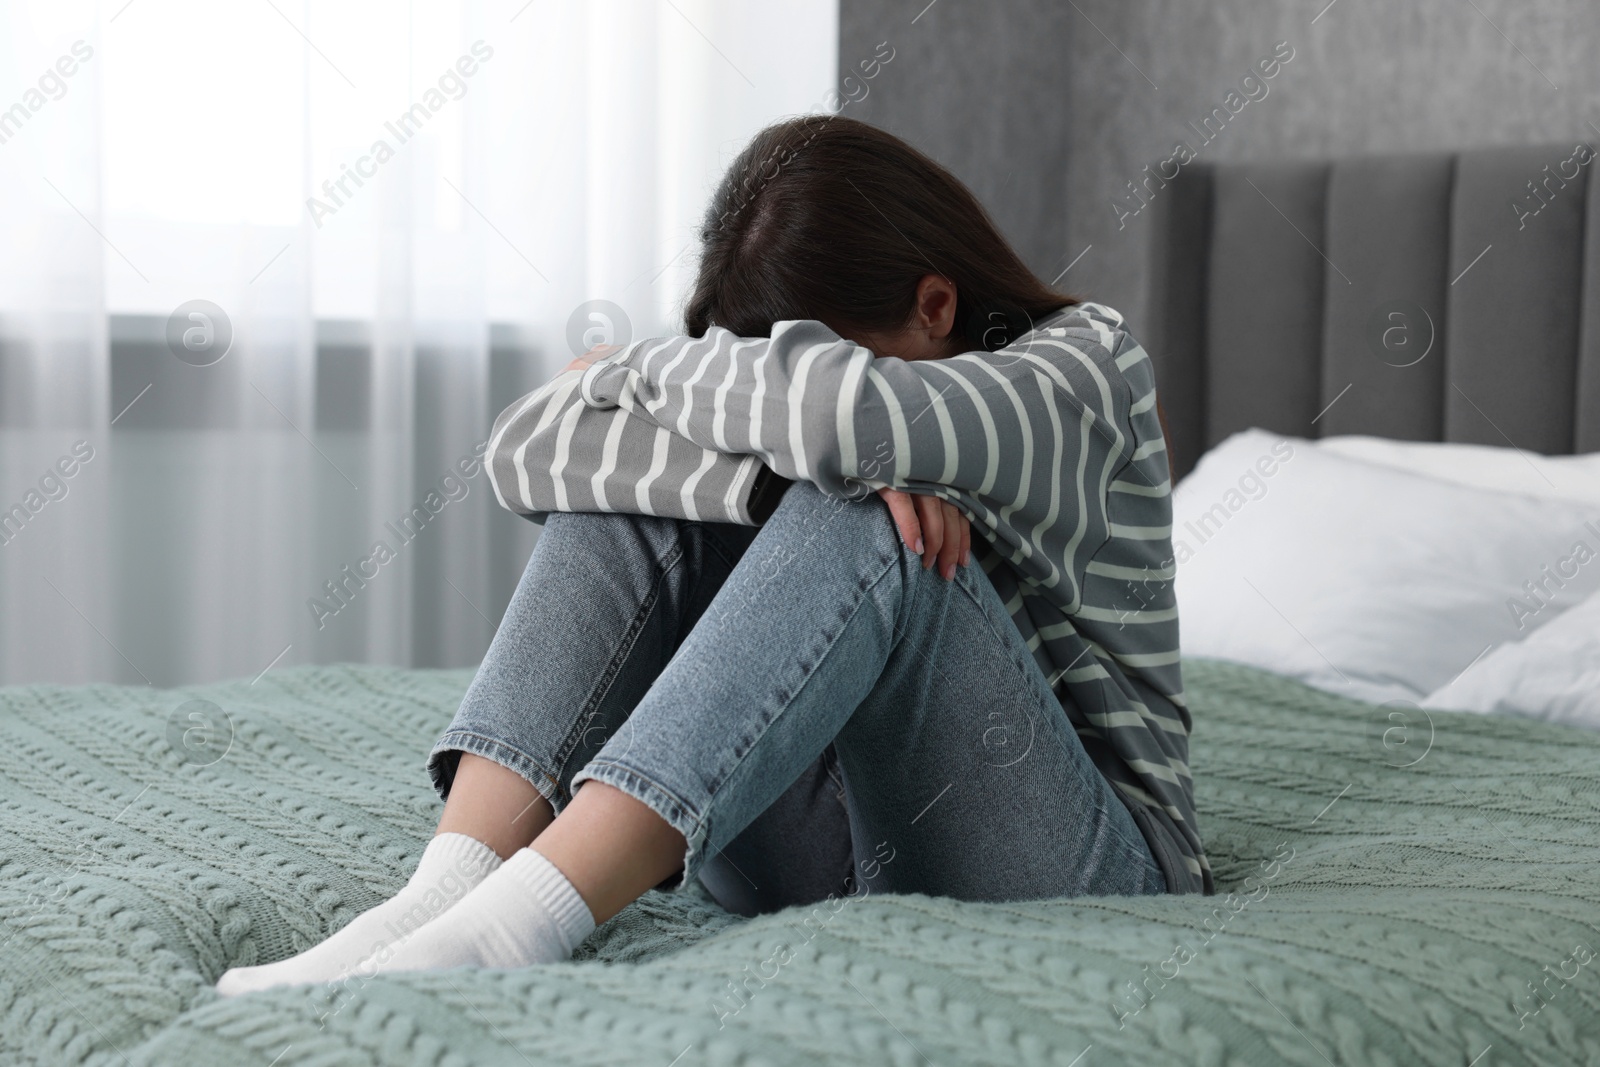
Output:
(828, 218)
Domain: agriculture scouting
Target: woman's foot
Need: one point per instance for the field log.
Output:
(525, 913)
(451, 866)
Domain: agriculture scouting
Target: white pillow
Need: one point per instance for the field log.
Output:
(1552, 674)
(1360, 578)
(1483, 466)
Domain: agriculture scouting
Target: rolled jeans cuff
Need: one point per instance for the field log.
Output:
(455, 742)
(664, 803)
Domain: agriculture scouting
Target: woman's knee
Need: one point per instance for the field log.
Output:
(610, 541)
(606, 536)
(591, 524)
(859, 520)
(586, 527)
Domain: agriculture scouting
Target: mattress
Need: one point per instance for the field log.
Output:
(1395, 888)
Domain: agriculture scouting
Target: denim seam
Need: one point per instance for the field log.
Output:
(833, 641)
(624, 649)
(863, 588)
(830, 766)
(693, 824)
(653, 795)
(713, 542)
(1142, 845)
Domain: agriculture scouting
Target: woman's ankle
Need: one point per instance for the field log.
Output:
(495, 805)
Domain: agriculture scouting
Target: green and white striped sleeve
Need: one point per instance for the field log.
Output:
(551, 452)
(1023, 440)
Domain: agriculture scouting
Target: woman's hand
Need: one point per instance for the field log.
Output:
(933, 529)
(598, 352)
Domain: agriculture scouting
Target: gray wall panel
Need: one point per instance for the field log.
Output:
(1266, 229)
(1176, 337)
(1588, 410)
(1514, 299)
(1384, 321)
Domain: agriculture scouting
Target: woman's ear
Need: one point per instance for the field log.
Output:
(935, 313)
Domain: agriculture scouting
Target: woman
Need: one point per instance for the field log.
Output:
(723, 663)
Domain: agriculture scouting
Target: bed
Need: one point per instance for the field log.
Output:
(1382, 910)
(1399, 882)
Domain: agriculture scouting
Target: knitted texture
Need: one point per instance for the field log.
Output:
(1384, 913)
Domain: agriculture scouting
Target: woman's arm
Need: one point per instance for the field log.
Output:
(1024, 440)
(604, 456)
(551, 452)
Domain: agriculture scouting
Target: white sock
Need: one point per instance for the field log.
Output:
(526, 912)
(451, 866)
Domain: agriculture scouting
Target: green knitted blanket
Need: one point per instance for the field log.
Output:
(1402, 892)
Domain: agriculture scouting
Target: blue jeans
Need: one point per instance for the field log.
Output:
(811, 709)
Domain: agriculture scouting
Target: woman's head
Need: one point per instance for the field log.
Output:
(828, 218)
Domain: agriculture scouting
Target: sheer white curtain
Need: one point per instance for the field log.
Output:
(269, 269)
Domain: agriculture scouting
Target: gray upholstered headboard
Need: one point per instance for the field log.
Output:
(1277, 290)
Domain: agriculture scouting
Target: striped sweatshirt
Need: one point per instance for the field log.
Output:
(1051, 447)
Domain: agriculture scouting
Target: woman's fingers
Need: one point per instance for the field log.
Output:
(950, 549)
(904, 513)
(930, 509)
(932, 528)
(597, 352)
